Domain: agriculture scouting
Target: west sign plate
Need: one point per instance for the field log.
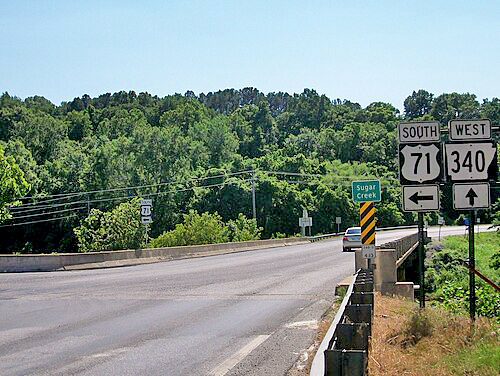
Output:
(421, 198)
(469, 130)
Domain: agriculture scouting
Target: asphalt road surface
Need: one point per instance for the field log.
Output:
(251, 313)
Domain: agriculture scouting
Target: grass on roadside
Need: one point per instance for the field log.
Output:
(407, 341)
(447, 280)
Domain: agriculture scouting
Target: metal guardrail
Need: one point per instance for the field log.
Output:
(327, 236)
(344, 350)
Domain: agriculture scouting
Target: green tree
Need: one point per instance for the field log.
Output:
(455, 106)
(243, 229)
(118, 229)
(196, 229)
(79, 125)
(418, 104)
(12, 184)
(217, 138)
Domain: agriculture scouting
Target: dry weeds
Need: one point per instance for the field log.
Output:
(407, 343)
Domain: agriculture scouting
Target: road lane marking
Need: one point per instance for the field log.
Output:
(237, 357)
(310, 324)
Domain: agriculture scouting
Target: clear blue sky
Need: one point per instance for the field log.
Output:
(364, 51)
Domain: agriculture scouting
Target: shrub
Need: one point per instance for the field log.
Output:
(418, 326)
(108, 231)
(243, 229)
(197, 228)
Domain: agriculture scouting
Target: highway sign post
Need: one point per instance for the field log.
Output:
(305, 222)
(419, 167)
(338, 221)
(146, 211)
(146, 216)
(470, 158)
(470, 165)
(367, 222)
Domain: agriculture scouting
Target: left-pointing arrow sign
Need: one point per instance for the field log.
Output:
(421, 197)
(416, 198)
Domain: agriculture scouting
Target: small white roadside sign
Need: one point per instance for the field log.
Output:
(368, 251)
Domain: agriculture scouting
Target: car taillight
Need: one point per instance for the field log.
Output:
(344, 238)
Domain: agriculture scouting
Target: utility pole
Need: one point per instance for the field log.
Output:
(254, 210)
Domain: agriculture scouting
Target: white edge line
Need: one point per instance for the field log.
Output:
(237, 357)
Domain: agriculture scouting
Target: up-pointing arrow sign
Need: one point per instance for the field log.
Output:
(471, 196)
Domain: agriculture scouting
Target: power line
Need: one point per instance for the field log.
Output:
(61, 196)
(116, 198)
(47, 213)
(39, 221)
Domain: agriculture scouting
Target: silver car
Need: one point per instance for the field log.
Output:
(352, 238)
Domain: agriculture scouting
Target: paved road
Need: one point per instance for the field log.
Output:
(252, 313)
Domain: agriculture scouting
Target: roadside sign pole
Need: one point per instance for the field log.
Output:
(254, 210)
(472, 263)
(421, 257)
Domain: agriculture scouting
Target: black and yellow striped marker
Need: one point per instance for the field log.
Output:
(367, 221)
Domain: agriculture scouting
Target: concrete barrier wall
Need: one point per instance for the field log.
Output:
(33, 263)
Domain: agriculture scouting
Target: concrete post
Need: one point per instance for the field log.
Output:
(385, 274)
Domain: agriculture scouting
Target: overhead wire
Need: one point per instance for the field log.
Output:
(61, 196)
(111, 199)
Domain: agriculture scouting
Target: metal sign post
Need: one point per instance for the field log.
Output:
(471, 157)
(472, 263)
(338, 221)
(146, 217)
(366, 192)
(367, 222)
(305, 222)
(440, 223)
(421, 257)
(420, 173)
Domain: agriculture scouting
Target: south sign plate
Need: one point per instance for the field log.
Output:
(419, 132)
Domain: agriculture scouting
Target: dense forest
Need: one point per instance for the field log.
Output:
(203, 153)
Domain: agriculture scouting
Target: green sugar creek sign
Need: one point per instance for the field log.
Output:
(366, 191)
